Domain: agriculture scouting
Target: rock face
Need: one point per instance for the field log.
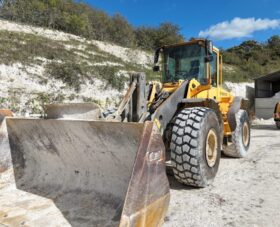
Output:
(27, 81)
(245, 90)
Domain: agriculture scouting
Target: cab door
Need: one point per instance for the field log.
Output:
(213, 93)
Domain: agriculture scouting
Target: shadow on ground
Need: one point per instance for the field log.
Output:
(174, 184)
(265, 127)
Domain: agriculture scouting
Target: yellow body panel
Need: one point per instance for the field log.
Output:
(196, 90)
(223, 97)
(171, 87)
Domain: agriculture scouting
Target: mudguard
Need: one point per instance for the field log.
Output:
(210, 103)
(237, 104)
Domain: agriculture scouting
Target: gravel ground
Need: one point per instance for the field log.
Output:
(245, 191)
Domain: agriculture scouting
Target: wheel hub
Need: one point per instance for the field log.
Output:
(245, 134)
(211, 148)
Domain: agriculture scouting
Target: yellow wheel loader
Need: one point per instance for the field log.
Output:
(195, 115)
(83, 167)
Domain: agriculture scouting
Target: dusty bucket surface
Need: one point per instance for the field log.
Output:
(81, 173)
(82, 111)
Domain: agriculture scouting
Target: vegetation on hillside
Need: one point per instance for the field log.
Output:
(80, 19)
(242, 63)
(252, 59)
(65, 60)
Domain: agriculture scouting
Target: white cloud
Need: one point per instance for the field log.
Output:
(238, 28)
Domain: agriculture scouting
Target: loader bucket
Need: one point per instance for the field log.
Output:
(81, 173)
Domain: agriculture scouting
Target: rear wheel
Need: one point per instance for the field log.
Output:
(195, 146)
(240, 143)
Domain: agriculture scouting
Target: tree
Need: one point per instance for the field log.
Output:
(145, 37)
(121, 32)
(274, 45)
(168, 33)
(151, 38)
(274, 41)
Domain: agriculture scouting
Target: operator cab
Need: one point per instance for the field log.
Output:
(186, 61)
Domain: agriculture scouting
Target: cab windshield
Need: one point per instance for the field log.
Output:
(184, 62)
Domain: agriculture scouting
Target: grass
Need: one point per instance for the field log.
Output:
(241, 74)
(236, 76)
(24, 48)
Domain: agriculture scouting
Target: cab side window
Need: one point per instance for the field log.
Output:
(213, 70)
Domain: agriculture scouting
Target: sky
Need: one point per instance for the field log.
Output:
(226, 22)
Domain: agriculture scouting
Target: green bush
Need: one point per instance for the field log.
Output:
(69, 73)
(109, 73)
(253, 59)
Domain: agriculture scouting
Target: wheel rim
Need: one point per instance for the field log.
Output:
(211, 148)
(245, 134)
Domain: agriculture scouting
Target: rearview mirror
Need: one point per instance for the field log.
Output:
(156, 57)
(156, 68)
(209, 51)
(209, 58)
(209, 47)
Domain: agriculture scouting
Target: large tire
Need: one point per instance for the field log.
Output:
(239, 146)
(277, 124)
(193, 129)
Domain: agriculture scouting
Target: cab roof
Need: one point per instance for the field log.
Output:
(192, 41)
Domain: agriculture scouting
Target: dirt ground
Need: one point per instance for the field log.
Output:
(246, 192)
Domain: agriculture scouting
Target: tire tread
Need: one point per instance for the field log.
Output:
(184, 144)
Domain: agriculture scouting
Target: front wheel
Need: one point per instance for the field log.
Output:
(195, 146)
(241, 137)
